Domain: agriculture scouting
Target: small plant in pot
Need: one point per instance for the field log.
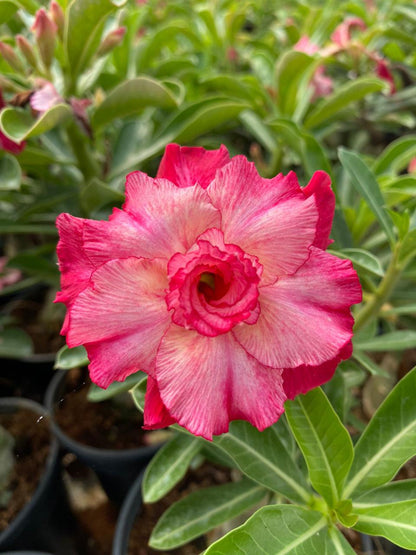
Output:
(34, 512)
(102, 428)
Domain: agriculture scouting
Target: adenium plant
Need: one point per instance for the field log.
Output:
(215, 282)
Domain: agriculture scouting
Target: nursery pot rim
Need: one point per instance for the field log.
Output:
(39, 409)
(127, 515)
(82, 448)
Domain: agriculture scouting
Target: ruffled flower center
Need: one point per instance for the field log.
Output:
(213, 286)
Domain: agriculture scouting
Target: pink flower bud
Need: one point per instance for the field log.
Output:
(11, 57)
(27, 50)
(45, 32)
(113, 39)
(58, 17)
(411, 168)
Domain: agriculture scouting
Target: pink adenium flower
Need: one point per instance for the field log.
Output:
(216, 283)
(321, 83)
(45, 98)
(342, 34)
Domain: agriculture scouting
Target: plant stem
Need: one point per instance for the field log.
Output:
(86, 162)
(382, 293)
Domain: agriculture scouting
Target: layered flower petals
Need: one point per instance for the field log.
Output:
(320, 187)
(155, 415)
(214, 286)
(305, 318)
(269, 218)
(207, 382)
(107, 310)
(186, 166)
(167, 219)
(214, 281)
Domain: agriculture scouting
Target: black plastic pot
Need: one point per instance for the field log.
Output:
(45, 522)
(128, 513)
(115, 468)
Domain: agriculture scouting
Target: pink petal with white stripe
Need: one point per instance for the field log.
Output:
(167, 219)
(155, 414)
(305, 318)
(185, 166)
(267, 218)
(205, 382)
(125, 298)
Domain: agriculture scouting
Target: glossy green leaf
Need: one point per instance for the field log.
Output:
(392, 341)
(304, 144)
(15, 343)
(67, 358)
(169, 466)
(362, 259)
(19, 125)
(10, 173)
(264, 458)
(341, 98)
(7, 10)
(394, 521)
(130, 97)
(396, 155)
(293, 72)
(325, 443)
(400, 490)
(388, 441)
(97, 394)
(408, 247)
(203, 510)
(276, 530)
(138, 392)
(85, 23)
(186, 125)
(368, 363)
(337, 543)
(97, 194)
(366, 184)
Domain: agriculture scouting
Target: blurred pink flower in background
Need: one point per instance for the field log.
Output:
(8, 276)
(216, 283)
(45, 98)
(342, 34)
(322, 84)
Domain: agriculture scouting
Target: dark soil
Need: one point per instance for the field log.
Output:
(196, 479)
(112, 424)
(31, 449)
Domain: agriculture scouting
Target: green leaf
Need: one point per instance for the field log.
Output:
(203, 510)
(293, 72)
(361, 259)
(97, 394)
(7, 10)
(400, 490)
(19, 125)
(130, 97)
(369, 364)
(341, 98)
(388, 441)
(392, 341)
(15, 343)
(97, 194)
(169, 466)
(10, 173)
(325, 443)
(85, 23)
(186, 125)
(337, 544)
(67, 358)
(36, 265)
(264, 458)
(138, 392)
(394, 521)
(396, 155)
(276, 530)
(11, 227)
(408, 247)
(366, 184)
